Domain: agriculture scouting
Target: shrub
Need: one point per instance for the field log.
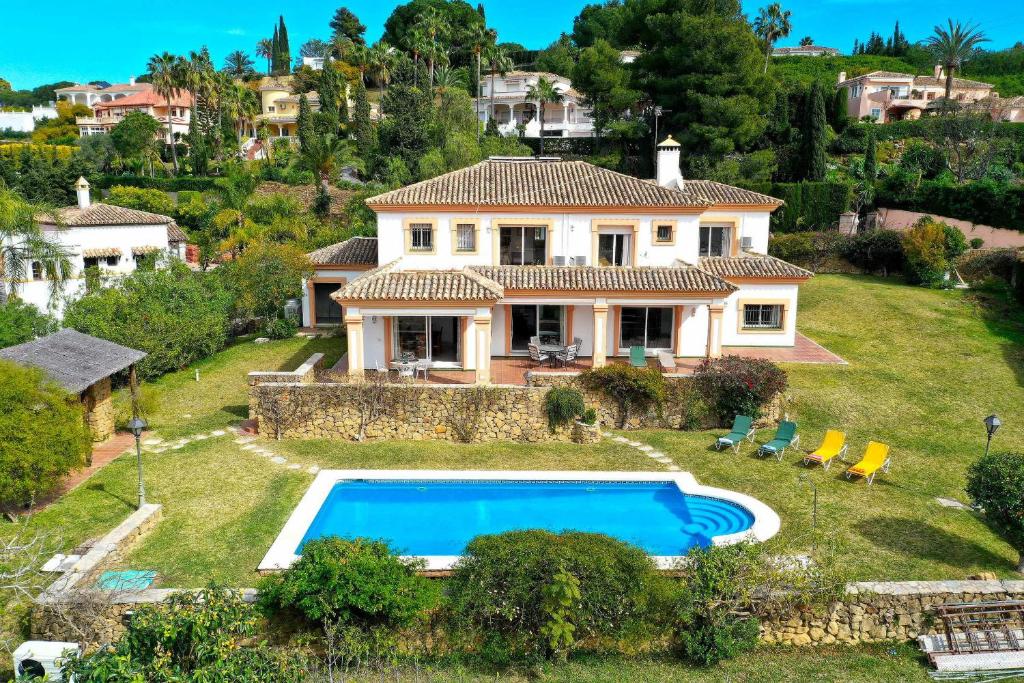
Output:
(175, 184)
(980, 265)
(281, 328)
(496, 592)
(264, 276)
(927, 248)
(563, 405)
(810, 250)
(21, 322)
(733, 385)
(634, 390)
(154, 201)
(174, 315)
(589, 417)
(976, 243)
(996, 484)
(357, 582)
(809, 205)
(42, 435)
(875, 251)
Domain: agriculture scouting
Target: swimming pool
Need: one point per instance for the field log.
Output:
(434, 514)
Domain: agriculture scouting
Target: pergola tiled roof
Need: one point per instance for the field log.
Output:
(753, 266)
(105, 214)
(680, 279)
(100, 252)
(74, 360)
(360, 251)
(429, 286)
(515, 182)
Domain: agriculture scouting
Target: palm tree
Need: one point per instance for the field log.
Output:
(479, 39)
(419, 44)
(772, 23)
(447, 79)
(165, 71)
(435, 26)
(265, 49)
(954, 46)
(23, 242)
(544, 92)
(238, 64)
(499, 61)
(381, 62)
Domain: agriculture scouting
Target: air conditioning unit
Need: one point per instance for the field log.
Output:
(558, 260)
(746, 242)
(580, 260)
(43, 659)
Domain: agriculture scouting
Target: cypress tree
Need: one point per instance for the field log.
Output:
(361, 125)
(839, 113)
(275, 53)
(304, 123)
(870, 159)
(343, 105)
(328, 90)
(286, 52)
(814, 135)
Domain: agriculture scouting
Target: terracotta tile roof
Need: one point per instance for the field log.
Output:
(148, 98)
(877, 74)
(117, 87)
(720, 193)
(752, 265)
(386, 283)
(100, 252)
(355, 250)
(99, 214)
(175, 233)
(537, 182)
(74, 360)
(957, 82)
(679, 279)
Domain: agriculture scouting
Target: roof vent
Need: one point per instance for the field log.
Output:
(579, 260)
(558, 260)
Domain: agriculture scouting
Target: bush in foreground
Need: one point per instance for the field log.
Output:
(733, 385)
(563, 405)
(634, 390)
(21, 322)
(996, 483)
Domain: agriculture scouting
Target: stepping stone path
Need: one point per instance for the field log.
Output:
(656, 456)
(950, 503)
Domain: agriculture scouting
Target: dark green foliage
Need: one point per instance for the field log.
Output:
(558, 58)
(495, 594)
(42, 435)
(264, 277)
(995, 483)
(173, 314)
(734, 385)
(634, 390)
(875, 251)
(589, 416)
(838, 116)
(284, 49)
(134, 134)
(563, 405)
(981, 266)
(175, 184)
(281, 328)
(870, 159)
(811, 250)
(599, 21)
(809, 206)
(304, 124)
(814, 139)
(21, 322)
(192, 636)
(329, 116)
(461, 19)
(357, 582)
(362, 128)
(404, 133)
(605, 81)
(987, 202)
(41, 175)
(346, 24)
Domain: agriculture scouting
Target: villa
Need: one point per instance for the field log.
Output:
(279, 108)
(805, 51)
(509, 104)
(471, 265)
(111, 238)
(175, 119)
(887, 96)
(91, 95)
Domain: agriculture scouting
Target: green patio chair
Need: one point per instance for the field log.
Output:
(742, 428)
(637, 357)
(785, 436)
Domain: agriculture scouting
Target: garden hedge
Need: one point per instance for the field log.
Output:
(809, 205)
(987, 202)
(197, 184)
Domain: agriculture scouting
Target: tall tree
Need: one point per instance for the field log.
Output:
(238, 64)
(265, 49)
(285, 49)
(953, 46)
(604, 81)
(346, 24)
(480, 39)
(165, 70)
(381, 61)
(499, 61)
(275, 53)
(772, 23)
(870, 158)
(815, 135)
(23, 242)
(304, 123)
(329, 96)
(806, 41)
(543, 93)
(362, 127)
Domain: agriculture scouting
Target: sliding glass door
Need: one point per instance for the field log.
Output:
(434, 338)
(545, 321)
(650, 328)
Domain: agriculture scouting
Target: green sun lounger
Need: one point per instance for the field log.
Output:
(637, 357)
(785, 436)
(742, 428)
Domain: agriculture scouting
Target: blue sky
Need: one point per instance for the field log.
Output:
(114, 39)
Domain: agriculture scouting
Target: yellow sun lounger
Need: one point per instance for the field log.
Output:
(832, 446)
(876, 457)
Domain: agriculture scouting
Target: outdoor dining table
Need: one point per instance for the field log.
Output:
(551, 350)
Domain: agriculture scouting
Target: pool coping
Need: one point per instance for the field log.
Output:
(281, 554)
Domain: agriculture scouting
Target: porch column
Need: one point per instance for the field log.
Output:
(715, 330)
(680, 312)
(599, 356)
(482, 324)
(354, 327)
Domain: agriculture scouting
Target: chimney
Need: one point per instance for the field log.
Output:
(842, 77)
(82, 188)
(131, 80)
(937, 71)
(668, 163)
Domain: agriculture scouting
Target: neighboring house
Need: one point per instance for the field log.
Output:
(25, 121)
(334, 266)
(887, 96)
(91, 95)
(315, 63)
(628, 56)
(511, 107)
(111, 238)
(805, 51)
(279, 108)
(1010, 109)
(474, 263)
(177, 117)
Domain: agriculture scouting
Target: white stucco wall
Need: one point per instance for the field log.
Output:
(787, 294)
(327, 273)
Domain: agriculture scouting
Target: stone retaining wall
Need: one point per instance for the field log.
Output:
(304, 374)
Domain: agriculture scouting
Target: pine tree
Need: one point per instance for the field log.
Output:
(328, 89)
(870, 158)
(275, 53)
(361, 125)
(307, 134)
(856, 46)
(286, 52)
(815, 135)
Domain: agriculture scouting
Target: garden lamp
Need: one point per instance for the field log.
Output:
(137, 425)
(992, 423)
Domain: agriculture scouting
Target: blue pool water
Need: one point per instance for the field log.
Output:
(440, 517)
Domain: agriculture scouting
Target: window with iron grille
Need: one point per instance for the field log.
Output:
(422, 236)
(465, 237)
(762, 316)
(663, 233)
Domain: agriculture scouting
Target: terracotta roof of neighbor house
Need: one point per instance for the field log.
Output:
(116, 87)
(386, 283)
(74, 360)
(355, 250)
(720, 193)
(957, 82)
(175, 233)
(753, 266)
(148, 98)
(537, 182)
(312, 97)
(99, 214)
(592, 278)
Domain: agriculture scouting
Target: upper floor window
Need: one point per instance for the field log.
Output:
(613, 249)
(421, 237)
(37, 270)
(523, 246)
(762, 316)
(856, 90)
(465, 237)
(714, 240)
(270, 109)
(664, 233)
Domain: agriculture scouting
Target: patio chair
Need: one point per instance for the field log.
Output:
(742, 428)
(876, 457)
(423, 366)
(832, 446)
(406, 372)
(535, 341)
(567, 355)
(637, 357)
(667, 361)
(536, 356)
(381, 370)
(578, 343)
(785, 436)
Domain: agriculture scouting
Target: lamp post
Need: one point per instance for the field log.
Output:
(992, 423)
(137, 425)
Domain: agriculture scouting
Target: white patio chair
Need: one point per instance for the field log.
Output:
(536, 356)
(406, 370)
(567, 355)
(422, 365)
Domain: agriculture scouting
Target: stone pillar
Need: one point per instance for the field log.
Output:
(482, 325)
(600, 354)
(715, 330)
(354, 326)
(99, 410)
